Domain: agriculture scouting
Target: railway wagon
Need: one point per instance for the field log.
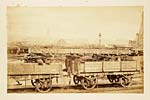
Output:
(88, 72)
(41, 76)
(85, 72)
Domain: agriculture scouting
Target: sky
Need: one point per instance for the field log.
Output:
(117, 24)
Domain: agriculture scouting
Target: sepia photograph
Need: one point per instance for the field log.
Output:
(82, 49)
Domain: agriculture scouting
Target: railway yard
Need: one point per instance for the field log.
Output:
(74, 58)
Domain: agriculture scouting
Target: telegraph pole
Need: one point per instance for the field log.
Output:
(99, 39)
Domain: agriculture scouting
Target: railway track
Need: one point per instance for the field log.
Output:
(102, 87)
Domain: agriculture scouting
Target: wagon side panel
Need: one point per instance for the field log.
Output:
(129, 65)
(20, 68)
(93, 67)
(53, 68)
(33, 68)
(111, 66)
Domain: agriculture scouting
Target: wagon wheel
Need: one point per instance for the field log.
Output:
(44, 85)
(113, 80)
(116, 80)
(33, 60)
(47, 61)
(76, 79)
(125, 81)
(40, 61)
(88, 83)
(33, 82)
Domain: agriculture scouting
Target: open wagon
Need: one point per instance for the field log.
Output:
(41, 76)
(88, 72)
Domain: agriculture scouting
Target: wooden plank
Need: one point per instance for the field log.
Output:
(53, 68)
(111, 66)
(81, 68)
(129, 65)
(93, 66)
(107, 66)
(33, 68)
(20, 68)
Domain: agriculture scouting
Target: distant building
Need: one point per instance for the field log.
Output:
(61, 42)
(132, 43)
(140, 35)
(138, 42)
(18, 50)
